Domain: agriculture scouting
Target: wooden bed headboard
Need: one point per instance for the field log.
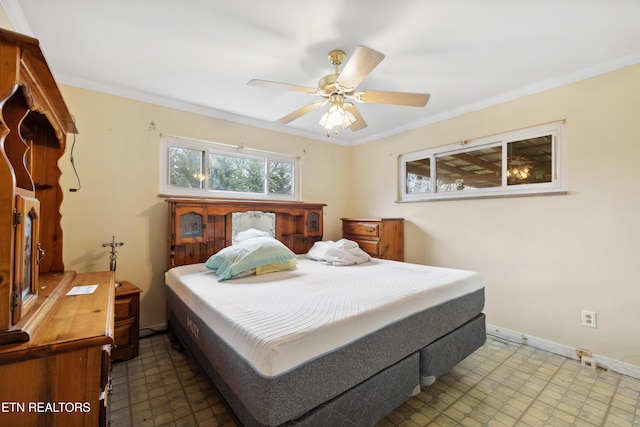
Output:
(198, 228)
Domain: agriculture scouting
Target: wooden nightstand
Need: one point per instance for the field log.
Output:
(127, 322)
(379, 237)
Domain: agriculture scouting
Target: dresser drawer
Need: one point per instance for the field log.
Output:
(122, 333)
(124, 308)
(372, 247)
(360, 229)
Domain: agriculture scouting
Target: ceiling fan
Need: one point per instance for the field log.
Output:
(339, 89)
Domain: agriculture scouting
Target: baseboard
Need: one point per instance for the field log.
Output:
(563, 350)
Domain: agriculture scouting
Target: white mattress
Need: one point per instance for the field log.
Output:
(278, 321)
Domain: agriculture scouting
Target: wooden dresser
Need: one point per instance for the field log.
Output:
(379, 237)
(60, 376)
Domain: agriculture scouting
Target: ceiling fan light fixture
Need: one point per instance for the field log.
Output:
(517, 167)
(519, 172)
(336, 115)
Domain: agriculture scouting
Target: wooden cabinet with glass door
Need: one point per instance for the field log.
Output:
(54, 347)
(33, 128)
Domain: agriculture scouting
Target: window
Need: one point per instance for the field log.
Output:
(199, 168)
(527, 161)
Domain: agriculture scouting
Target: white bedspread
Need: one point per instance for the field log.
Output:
(280, 320)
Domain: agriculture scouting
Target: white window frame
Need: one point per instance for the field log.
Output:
(556, 186)
(166, 189)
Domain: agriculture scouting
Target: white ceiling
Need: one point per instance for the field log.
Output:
(198, 55)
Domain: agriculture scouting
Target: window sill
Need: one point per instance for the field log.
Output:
(454, 196)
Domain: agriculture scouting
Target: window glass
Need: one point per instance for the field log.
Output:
(190, 225)
(29, 235)
(186, 167)
(530, 161)
(469, 170)
(280, 177)
(232, 173)
(418, 176)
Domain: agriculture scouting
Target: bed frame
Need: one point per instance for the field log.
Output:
(358, 384)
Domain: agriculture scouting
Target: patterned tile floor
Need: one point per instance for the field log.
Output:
(501, 384)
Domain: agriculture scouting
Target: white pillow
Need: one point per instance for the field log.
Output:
(251, 233)
(236, 259)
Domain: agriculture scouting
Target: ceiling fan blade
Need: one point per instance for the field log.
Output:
(361, 63)
(286, 86)
(359, 123)
(301, 112)
(394, 98)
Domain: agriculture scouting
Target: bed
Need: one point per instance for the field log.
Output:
(325, 345)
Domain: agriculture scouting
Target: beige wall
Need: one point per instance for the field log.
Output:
(544, 259)
(117, 157)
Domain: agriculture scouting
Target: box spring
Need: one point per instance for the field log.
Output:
(270, 401)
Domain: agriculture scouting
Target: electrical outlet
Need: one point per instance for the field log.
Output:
(581, 352)
(589, 319)
(588, 362)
